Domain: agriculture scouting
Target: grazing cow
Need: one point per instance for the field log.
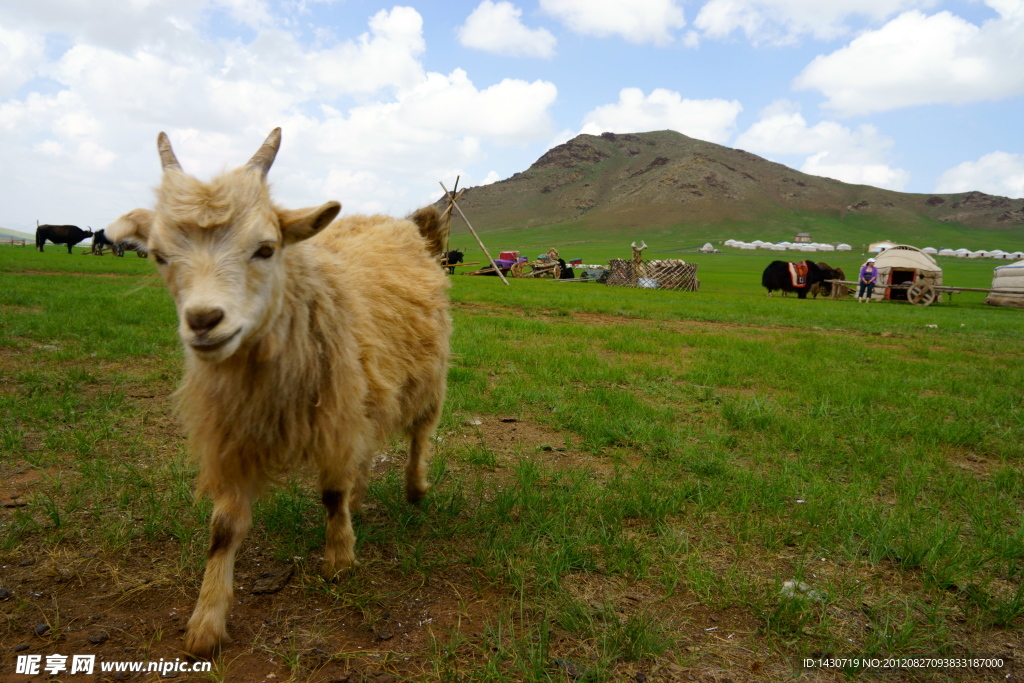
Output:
(792, 277)
(133, 245)
(565, 270)
(453, 256)
(60, 234)
(825, 288)
(297, 352)
(99, 241)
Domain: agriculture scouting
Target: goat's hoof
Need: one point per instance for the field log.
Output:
(415, 494)
(204, 644)
(334, 571)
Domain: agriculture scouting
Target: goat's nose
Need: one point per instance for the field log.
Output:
(203, 320)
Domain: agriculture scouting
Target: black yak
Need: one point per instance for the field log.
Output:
(792, 277)
(453, 256)
(825, 288)
(99, 241)
(60, 234)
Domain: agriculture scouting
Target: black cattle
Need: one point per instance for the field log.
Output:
(60, 234)
(777, 276)
(99, 241)
(131, 245)
(825, 288)
(454, 256)
(565, 272)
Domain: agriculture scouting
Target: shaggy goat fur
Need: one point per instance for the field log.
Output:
(329, 356)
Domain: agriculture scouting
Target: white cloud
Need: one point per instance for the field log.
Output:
(363, 121)
(785, 21)
(998, 173)
(852, 155)
(711, 120)
(917, 59)
(21, 53)
(108, 23)
(638, 21)
(877, 175)
(496, 27)
(491, 177)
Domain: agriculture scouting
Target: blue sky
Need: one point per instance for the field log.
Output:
(379, 101)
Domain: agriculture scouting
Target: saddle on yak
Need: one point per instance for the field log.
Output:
(798, 273)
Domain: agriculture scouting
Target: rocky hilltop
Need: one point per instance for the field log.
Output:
(664, 179)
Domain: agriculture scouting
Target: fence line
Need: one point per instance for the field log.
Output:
(671, 274)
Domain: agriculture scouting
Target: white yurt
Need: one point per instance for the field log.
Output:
(708, 248)
(931, 251)
(903, 264)
(826, 247)
(978, 254)
(1007, 286)
(747, 246)
(844, 247)
(947, 252)
(963, 253)
(786, 244)
(765, 245)
(997, 253)
(1017, 255)
(778, 247)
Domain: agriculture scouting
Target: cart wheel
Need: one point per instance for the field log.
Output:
(516, 270)
(921, 294)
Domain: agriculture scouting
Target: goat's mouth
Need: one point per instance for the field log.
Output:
(206, 343)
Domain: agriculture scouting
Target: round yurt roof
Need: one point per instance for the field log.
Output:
(905, 256)
(1008, 267)
(844, 247)
(930, 250)
(947, 252)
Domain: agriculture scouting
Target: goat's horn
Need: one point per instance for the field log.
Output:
(167, 158)
(633, 245)
(643, 245)
(266, 154)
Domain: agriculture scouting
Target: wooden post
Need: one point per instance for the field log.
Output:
(458, 208)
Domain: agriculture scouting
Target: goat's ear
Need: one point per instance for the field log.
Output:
(133, 225)
(301, 224)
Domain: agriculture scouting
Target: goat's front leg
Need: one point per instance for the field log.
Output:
(207, 628)
(340, 547)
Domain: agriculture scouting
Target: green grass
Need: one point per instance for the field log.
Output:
(693, 452)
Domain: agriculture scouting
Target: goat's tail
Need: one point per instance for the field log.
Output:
(428, 220)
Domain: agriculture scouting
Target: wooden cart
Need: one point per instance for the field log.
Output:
(922, 293)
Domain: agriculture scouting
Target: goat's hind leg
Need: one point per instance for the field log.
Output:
(230, 522)
(420, 433)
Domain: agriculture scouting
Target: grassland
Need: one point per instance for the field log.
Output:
(626, 482)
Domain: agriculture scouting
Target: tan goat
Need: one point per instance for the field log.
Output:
(307, 343)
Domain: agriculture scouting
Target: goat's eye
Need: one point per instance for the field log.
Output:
(264, 252)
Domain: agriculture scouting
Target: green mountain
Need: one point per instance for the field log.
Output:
(666, 184)
(7, 233)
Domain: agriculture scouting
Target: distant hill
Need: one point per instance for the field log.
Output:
(7, 233)
(669, 182)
